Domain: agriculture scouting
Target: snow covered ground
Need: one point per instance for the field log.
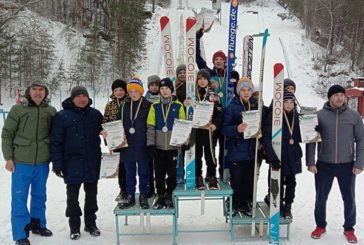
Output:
(299, 52)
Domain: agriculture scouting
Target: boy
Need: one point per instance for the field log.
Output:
(153, 90)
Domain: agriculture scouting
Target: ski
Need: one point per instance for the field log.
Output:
(247, 57)
(190, 95)
(230, 86)
(275, 175)
(167, 47)
(248, 42)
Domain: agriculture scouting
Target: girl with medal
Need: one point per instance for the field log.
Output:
(133, 113)
(290, 162)
(160, 122)
(240, 151)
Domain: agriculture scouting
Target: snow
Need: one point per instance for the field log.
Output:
(299, 52)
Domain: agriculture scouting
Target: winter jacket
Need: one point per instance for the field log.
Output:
(26, 133)
(155, 121)
(137, 142)
(290, 154)
(111, 109)
(238, 148)
(339, 129)
(75, 143)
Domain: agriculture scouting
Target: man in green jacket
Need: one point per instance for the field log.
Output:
(26, 149)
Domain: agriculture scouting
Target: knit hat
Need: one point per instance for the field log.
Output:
(220, 54)
(135, 83)
(244, 81)
(118, 83)
(77, 91)
(203, 73)
(334, 89)
(288, 96)
(289, 82)
(181, 67)
(153, 79)
(166, 82)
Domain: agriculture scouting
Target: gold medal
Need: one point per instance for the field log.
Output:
(221, 94)
(290, 127)
(291, 141)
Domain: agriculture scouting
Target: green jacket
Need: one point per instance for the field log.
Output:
(26, 133)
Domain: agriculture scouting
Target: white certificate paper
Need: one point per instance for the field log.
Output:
(202, 114)
(252, 119)
(181, 132)
(109, 165)
(115, 135)
(308, 122)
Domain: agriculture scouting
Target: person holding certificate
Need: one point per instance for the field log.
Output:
(160, 123)
(240, 151)
(133, 114)
(290, 162)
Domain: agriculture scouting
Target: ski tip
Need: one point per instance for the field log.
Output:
(190, 22)
(278, 68)
(164, 21)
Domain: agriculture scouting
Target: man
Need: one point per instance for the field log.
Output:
(26, 149)
(340, 127)
(76, 156)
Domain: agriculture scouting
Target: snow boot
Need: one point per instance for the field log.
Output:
(199, 183)
(350, 236)
(288, 211)
(168, 201)
(267, 199)
(130, 202)
(159, 202)
(213, 183)
(121, 197)
(36, 229)
(93, 230)
(245, 208)
(23, 241)
(317, 233)
(143, 201)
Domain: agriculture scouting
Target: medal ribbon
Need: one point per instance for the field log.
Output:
(198, 95)
(136, 113)
(290, 127)
(166, 115)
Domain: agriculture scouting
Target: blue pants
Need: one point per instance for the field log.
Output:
(181, 167)
(27, 175)
(323, 181)
(143, 173)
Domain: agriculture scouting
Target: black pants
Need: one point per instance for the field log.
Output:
(242, 178)
(166, 164)
(122, 177)
(204, 146)
(73, 210)
(287, 189)
(218, 136)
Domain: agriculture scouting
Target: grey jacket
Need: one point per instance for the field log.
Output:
(339, 129)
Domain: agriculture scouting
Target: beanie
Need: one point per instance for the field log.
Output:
(244, 81)
(334, 89)
(166, 82)
(203, 73)
(288, 96)
(153, 79)
(135, 83)
(220, 54)
(77, 91)
(118, 83)
(181, 67)
(289, 82)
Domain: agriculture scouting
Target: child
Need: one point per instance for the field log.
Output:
(291, 151)
(160, 122)
(133, 113)
(153, 90)
(240, 151)
(204, 144)
(118, 89)
(289, 85)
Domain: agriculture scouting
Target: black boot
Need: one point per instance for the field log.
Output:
(288, 211)
(36, 229)
(75, 224)
(169, 201)
(245, 208)
(23, 241)
(160, 202)
(129, 202)
(143, 201)
(267, 199)
(121, 197)
(93, 230)
(151, 192)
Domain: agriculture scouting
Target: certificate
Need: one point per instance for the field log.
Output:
(109, 165)
(308, 122)
(180, 132)
(252, 119)
(115, 135)
(202, 114)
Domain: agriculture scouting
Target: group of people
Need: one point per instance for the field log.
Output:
(34, 135)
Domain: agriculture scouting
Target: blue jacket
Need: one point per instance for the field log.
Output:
(290, 154)
(75, 143)
(238, 148)
(137, 142)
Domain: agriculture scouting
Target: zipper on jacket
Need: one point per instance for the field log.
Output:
(337, 136)
(36, 138)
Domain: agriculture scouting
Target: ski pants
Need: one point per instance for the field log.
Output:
(288, 187)
(143, 173)
(24, 177)
(205, 147)
(165, 164)
(73, 210)
(122, 176)
(326, 172)
(218, 136)
(181, 166)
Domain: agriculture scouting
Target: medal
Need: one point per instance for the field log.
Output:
(131, 130)
(291, 141)
(165, 116)
(290, 128)
(221, 94)
(165, 129)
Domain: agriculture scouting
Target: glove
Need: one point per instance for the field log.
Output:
(185, 147)
(199, 33)
(234, 75)
(276, 164)
(59, 173)
(152, 151)
(318, 128)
